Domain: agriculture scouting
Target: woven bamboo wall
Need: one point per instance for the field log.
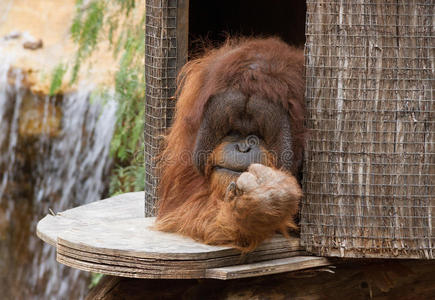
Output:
(369, 175)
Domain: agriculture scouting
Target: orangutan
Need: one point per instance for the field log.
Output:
(230, 159)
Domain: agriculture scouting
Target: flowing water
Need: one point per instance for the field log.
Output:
(54, 154)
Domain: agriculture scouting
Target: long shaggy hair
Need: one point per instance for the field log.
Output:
(188, 203)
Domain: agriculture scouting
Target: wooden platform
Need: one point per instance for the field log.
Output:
(113, 237)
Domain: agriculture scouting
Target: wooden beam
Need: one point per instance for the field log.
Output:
(268, 267)
(182, 32)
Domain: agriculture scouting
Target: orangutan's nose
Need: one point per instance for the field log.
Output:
(243, 147)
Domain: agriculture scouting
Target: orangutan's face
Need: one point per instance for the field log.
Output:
(237, 131)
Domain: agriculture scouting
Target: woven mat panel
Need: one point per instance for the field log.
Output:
(160, 80)
(369, 174)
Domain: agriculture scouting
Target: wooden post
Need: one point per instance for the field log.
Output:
(166, 38)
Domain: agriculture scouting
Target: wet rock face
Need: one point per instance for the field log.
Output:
(39, 114)
(53, 150)
(39, 117)
(53, 154)
(31, 120)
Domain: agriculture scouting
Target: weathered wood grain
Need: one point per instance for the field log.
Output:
(190, 271)
(136, 238)
(131, 246)
(113, 237)
(125, 206)
(150, 263)
(267, 267)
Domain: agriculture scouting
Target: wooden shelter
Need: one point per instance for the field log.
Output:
(369, 165)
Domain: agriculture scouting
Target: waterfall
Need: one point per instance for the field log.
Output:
(54, 154)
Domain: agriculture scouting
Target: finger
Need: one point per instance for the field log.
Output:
(230, 192)
(247, 182)
(262, 172)
(256, 168)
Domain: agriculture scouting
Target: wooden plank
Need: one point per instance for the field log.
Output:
(125, 206)
(136, 238)
(113, 237)
(267, 267)
(175, 264)
(102, 265)
(129, 272)
(241, 271)
(182, 32)
(189, 272)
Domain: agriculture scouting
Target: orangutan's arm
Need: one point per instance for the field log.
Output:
(262, 201)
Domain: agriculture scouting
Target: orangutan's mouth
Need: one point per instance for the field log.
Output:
(231, 172)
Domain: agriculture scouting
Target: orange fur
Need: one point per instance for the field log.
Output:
(193, 204)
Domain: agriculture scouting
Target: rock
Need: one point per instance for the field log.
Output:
(33, 45)
(12, 35)
(4, 224)
(39, 117)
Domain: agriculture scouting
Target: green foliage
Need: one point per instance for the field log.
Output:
(95, 279)
(127, 144)
(56, 78)
(85, 30)
(130, 178)
(126, 5)
(112, 20)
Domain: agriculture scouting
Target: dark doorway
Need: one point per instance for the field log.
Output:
(212, 21)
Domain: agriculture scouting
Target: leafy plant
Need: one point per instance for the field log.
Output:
(111, 20)
(95, 21)
(85, 30)
(95, 279)
(57, 76)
